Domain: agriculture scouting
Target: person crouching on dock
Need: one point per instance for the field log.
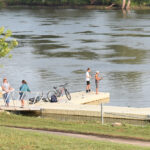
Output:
(97, 79)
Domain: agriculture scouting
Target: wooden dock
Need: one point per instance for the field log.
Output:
(78, 98)
(81, 104)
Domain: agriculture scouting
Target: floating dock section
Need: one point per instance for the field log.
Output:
(82, 104)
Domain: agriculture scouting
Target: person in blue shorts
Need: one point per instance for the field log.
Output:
(6, 89)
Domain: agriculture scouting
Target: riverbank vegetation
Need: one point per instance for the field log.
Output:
(73, 2)
(91, 127)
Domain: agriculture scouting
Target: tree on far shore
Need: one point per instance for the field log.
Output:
(6, 46)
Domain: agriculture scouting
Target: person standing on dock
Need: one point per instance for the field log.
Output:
(6, 89)
(23, 89)
(88, 77)
(124, 4)
(97, 79)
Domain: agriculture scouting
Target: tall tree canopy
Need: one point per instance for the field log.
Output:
(6, 45)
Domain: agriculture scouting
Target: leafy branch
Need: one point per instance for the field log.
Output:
(6, 46)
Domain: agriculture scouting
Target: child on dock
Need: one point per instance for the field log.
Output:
(97, 79)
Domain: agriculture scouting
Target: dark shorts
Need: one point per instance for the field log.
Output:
(22, 95)
(96, 83)
(87, 82)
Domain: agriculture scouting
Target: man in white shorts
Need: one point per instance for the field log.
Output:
(88, 77)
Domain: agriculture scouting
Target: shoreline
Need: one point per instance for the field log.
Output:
(86, 7)
(76, 111)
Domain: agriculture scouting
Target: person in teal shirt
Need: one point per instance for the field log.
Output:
(23, 89)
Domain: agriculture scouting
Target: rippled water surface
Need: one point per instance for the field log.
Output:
(57, 46)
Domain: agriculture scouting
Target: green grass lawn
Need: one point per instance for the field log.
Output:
(75, 126)
(14, 139)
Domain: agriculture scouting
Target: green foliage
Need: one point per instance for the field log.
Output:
(73, 2)
(141, 2)
(6, 46)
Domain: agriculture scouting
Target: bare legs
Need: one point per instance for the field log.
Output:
(88, 88)
(124, 4)
(96, 90)
(22, 96)
(22, 103)
(97, 87)
(128, 4)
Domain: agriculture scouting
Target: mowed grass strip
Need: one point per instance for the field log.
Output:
(14, 139)
(126, 131)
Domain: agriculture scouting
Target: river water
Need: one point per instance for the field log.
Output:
(58, 45)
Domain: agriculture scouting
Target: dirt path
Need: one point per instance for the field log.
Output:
(91, 137)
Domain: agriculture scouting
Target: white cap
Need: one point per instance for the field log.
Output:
(97, 71)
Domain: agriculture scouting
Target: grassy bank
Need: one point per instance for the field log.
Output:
(126, 131)
(14, 139)
(72, 2)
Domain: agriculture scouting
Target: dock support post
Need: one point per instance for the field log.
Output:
(102, 119)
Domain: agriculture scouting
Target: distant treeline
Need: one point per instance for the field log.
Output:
(72, 2)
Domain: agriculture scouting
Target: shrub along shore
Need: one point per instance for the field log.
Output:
(134, 3)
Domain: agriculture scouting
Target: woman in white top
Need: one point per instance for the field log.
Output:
(6, 88)
(88, 77)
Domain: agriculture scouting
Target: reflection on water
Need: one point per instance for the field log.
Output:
(80, 55)
(79, 71)
(126, 55)
(35, 36)
(131, 35)
(88, 41)
(85, 32)
(42, 41)
(43, 47)
(58, 45)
